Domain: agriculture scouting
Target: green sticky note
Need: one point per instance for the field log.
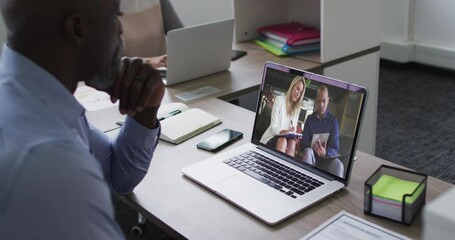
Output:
(394, 188)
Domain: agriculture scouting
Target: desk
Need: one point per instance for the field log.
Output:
(186, 210)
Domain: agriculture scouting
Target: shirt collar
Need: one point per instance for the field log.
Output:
(40, 83)
(323, 116)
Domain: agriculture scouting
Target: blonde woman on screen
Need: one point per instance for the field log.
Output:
(284, 117)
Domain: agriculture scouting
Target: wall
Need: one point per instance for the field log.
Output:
(361, 71)
(191, 12)
(395, 20)
(420, 31)
(412, 30)
(434, 22)
(434, 32)
(202, 11)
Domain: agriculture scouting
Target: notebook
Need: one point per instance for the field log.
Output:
(293, 33)
(272, 185)
(198, 51)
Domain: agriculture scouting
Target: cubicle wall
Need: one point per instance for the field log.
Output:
(194, 12)
(364, 71)
(419, 30)
(350, 39)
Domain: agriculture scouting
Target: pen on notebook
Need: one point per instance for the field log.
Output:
(120, 123)
(170, 115)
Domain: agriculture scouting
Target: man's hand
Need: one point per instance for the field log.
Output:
(156, 62)
(320, 148)
(140, 90)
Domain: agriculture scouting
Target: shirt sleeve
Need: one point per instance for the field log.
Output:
(132, 153)
(306, 138)
(333, 144)
(126, 157)
(278, 109)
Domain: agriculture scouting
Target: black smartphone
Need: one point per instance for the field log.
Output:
(220, 140)
(236, 54)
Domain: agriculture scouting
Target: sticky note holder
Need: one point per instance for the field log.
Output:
(394, 193)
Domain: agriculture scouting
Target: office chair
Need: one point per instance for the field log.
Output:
(139, 228)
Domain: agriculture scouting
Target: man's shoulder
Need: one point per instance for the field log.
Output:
(48, 157)
(313, 116)
(61, 154)
(61, 166)
(331, 117)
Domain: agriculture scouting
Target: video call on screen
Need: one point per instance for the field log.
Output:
(343, 104)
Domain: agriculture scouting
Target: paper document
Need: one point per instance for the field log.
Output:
(93, 100)
(347, 226)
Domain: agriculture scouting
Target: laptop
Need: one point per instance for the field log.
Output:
(272, 185)
(198, 51)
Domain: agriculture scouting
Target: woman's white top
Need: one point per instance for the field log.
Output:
(280, 119)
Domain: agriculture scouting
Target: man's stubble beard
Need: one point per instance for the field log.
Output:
(106, 78)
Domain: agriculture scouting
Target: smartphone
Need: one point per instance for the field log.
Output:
(220, 140)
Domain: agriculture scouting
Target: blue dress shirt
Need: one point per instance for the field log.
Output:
(56, 170)
(328, 124)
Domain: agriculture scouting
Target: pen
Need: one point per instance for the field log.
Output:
(120, 123)
(170, 115)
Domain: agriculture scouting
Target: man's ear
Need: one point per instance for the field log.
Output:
(73, 29)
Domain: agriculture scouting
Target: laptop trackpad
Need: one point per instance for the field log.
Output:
(237, 187)
(256, 198)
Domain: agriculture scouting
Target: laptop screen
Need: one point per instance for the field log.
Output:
(314, 120)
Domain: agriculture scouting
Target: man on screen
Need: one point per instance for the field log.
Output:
(322, 154)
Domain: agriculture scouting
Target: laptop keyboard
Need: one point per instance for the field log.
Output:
(274, 174)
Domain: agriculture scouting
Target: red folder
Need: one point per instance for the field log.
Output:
(293, 33)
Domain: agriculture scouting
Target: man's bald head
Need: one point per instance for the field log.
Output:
(74, 40)
(41, 20)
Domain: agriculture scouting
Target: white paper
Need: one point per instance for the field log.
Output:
(347, 226)
(93, 100)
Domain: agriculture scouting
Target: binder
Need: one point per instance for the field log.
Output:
(293, 33)
(287, 50)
